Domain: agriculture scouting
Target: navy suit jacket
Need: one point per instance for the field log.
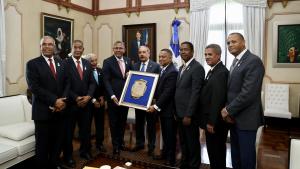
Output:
(152, 67)
(165, 91)
(188, 89)
(244, 92)
(44, 87)
(113, 78)
(213, 96)
(100, 88)
(78, 87)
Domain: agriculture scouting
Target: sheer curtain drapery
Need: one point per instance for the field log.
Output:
(2, 49)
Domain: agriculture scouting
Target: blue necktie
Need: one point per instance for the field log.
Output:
(96, 76)
(143, 67)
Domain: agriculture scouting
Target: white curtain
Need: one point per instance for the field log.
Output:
(199, 32)
(254, 19)
(199, 26)
(2, 49)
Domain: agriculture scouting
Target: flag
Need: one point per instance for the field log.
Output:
(174, 43)
(145, 36)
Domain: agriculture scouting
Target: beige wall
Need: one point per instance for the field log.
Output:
(282, 75)
(100, 33)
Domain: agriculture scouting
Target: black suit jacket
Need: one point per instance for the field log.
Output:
(44, 87)
(188, 88)
(213, 96)
(244, 92)
(113, 78)
(78, 87)
(165, 91)
(100, 88)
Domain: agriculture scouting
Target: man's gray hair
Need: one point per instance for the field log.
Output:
(46, 37)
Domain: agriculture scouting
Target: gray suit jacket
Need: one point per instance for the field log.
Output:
(244, 92)
(188, 89)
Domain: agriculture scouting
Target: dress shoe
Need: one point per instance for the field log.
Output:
(158, 157)
(116, 152)
(86, 156)
(137, 148)
(150, 152)
(102, 149)
(70, 163)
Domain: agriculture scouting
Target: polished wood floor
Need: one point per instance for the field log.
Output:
(272, 151)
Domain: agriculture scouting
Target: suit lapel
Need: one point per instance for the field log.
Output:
(240, 63)
(116, 65)
(45, 64)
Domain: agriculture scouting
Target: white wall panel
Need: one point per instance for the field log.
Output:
(155, 2)
(14, 59)
(88, 38)
(83, 3)
(104, 42)
(112, 4)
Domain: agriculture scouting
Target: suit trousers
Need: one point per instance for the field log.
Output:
(140, 118)
(48, 136)
(82, 117)
(243, 152)
(216, 147)
(98, 114)
(117, 122)
(190, 145)
(168, 130)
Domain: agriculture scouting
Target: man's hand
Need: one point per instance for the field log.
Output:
(101, 100)
(210, 128)
(151, 109)
(97, 104)
(59, 104)
(82, 100)
(116, 101)
(226, 116)
(186, 121)
(224, 113)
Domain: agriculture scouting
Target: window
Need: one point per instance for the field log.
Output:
(224, 18)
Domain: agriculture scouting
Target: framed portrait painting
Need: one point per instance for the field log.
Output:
(61, 29)
(286, 44)
(139, 35)
(139, 90)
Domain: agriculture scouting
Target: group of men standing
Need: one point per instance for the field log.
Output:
(72, 91)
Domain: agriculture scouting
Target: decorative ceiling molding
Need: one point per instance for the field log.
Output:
(176, 5)
(284, 2)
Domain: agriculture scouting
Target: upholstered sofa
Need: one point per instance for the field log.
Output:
(17, 141)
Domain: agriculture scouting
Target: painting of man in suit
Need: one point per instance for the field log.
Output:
(134, 46)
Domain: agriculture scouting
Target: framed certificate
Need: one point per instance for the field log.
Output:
(139, 90)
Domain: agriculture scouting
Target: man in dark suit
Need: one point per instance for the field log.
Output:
(115, 69)
(164, 105)
(134, 47)
(189, 83)
(47, 80)
(243, 107)
(141, 116)
(212, 100)
(97, 107)
(82, 88)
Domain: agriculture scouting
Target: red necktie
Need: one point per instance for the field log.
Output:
(79, 69)
(52, 68)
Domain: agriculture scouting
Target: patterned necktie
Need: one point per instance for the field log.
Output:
(183, 69)
(234, 63)
(143, 67)
(96, 75)
(121, 63)
(162, 72)
(79, 69)
(52, 68)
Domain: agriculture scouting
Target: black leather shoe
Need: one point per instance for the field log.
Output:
(101, 149)
(150, 152)
(116, 152)
(70, 163)
(86, 156)
(137, 148)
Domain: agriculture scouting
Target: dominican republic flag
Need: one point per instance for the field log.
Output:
(174, 43)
